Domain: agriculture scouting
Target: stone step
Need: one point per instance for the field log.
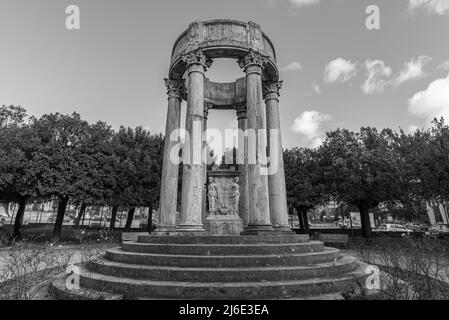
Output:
(59, 291)
(218, 261)
(275, 238)
(227, 249)
(130, 288)
(253, 274)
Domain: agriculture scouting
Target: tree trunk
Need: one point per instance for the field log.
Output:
(80, 214)
(129, 220)
(365, 220)
(19, 217)
(62, 205)
(300, 218)
(150, 219)
(305, 219)
(113, 217)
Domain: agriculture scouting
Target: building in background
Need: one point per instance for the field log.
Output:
(437, 213)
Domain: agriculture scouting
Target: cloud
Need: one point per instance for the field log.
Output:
(316, 88)
(432, 102)
(309, 125)
(294, 66)
(303, 3)
(444, 66)
(376, 71)
(339, 70)
(438, 7)
(412, 70)
(158, 130)
(412, 128)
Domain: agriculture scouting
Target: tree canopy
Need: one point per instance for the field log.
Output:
(64, 158)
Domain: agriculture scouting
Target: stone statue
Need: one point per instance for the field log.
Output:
(212, 193)
(235, 196)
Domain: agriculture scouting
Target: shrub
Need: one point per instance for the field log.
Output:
(413, 269)
(26, 268)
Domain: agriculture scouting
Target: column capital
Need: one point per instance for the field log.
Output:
(241, 110)
(176, 88)
(271, 90)
(197, 58)
(253, 59)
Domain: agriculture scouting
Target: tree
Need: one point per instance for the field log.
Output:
(152, 172)
(98, 163)
(363, 169)
(62, 164)
(18, 168)
(426, 154)
(138, 170)
(303, 177)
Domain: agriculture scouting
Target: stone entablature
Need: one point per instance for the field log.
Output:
(224, 39)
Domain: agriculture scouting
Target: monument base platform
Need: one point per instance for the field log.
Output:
(253, 230)
(215, 267)
(223, 225)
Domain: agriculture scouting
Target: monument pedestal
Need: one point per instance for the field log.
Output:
(223, 225)
(258, 230)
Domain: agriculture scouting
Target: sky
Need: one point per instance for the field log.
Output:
(337, 73)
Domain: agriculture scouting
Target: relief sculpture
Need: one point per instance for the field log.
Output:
(224, 196)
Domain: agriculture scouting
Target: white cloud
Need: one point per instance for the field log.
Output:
(376, 74)
(413, 128)
(412, 70)
(303, 3)
(432, 102)
(316, 88)
(444, 66)
(439, 7)
(309, 125)
(340, 70)
(294, 66)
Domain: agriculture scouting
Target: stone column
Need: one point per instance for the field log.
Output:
(259, 206)
(242, 152)
(276, 177)
(170, 169)
(207, 107)
(193, 169)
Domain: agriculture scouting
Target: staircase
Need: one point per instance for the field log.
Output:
(215, 267)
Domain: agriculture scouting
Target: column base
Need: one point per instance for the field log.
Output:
(255, 230)
(191, 230)
(283, 230)
(164, 231)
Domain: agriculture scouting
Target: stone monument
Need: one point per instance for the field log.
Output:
(255, 99)
(202, 253)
